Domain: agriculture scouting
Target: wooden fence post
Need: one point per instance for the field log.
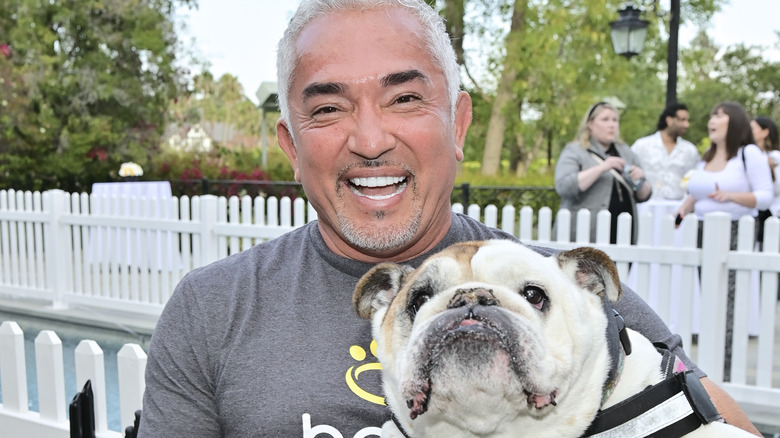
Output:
(299, 211)
(508, 216)
(209, 248)
(12, 364)
(90, 366)
(714, 290)
(131, 363)
(51, 376)
(58, 254)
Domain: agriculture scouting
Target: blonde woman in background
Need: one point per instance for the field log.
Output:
(598, 171)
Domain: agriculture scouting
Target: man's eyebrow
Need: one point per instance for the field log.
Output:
(322, 88)
(403, 77)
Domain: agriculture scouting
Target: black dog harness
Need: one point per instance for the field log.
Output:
(672, 408)
(398, 425)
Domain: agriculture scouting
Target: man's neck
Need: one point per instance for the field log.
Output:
(669, 140)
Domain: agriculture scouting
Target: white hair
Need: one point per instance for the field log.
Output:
(435, 33)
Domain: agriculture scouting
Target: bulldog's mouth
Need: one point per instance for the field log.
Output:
(377, 188)
(475, 335)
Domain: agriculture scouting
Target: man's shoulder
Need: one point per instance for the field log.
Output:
(465, 227)
(250, 259)
(686, 144)
(646, 141)
(485, 232)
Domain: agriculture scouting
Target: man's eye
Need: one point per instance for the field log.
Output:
(325, 110)
(406, 98)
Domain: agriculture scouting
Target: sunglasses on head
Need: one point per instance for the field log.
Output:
(593, 108)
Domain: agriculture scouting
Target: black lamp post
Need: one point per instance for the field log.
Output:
(628, 37)
(629, 31)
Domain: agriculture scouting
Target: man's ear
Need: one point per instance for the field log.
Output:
(462, 122)
(287, 144)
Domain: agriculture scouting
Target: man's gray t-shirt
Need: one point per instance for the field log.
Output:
(266, 343)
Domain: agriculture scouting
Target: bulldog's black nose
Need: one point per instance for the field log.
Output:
(476, 296)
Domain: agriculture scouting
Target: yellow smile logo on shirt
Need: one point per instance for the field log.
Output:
(353, 373)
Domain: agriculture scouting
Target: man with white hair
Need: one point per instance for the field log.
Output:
(265, 342)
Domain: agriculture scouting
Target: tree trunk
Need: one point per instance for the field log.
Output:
(530, 154)
(494, 140)
(453, 15)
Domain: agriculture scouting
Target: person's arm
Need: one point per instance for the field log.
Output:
(566, 169)
(637, 172)
(586, 177)
(644, 193)
(728, 407)
(686, 206)
(639, 316)
(760, 176)
(759, 179)
(747, 199)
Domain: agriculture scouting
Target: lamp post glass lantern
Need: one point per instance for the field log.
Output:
(629, 31)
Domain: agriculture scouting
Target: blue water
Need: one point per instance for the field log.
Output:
(110, 342)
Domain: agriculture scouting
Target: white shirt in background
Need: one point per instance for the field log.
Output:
(663, 170)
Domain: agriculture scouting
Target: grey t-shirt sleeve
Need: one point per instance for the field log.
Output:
(179, 387)
(641, 317)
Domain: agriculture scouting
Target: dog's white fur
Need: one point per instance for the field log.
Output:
(512, 368)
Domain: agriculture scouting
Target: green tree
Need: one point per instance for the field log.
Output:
(737, 73)
(87, 84)
(222, 102)
(547, 61)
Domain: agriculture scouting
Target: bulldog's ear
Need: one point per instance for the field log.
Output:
(376, 289)
(593, 270)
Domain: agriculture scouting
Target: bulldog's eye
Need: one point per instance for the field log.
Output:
(535, 295)
(420, 297)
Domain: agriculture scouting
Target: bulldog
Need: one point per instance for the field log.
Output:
(492, 339)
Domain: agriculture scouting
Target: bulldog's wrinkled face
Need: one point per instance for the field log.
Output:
(486, 332)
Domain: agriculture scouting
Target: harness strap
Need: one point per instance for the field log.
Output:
(619, 348)
(670, 363)
(398, 425)
(672, 408)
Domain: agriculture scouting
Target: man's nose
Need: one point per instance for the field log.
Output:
(371, 137)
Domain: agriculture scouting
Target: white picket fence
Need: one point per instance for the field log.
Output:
(57, 250)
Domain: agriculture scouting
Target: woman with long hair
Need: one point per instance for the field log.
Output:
(733, 177)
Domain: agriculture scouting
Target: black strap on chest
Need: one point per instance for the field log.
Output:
(669, 409)
(398, 425)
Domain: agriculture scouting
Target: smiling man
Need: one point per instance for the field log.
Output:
(373, 137)
(266, 342)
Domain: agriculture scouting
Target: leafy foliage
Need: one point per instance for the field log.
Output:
(186, 169)
(85, 87)
(738, 73)
(223, 102)
(546, 62)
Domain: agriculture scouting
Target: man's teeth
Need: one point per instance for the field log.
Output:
(376, 181)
